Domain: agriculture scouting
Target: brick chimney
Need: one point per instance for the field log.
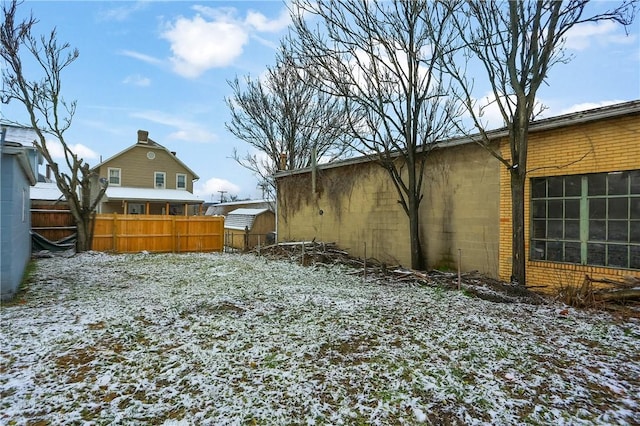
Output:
(143, 136)
(283, 161)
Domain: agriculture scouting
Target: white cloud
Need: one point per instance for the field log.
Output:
(488, 111)
(122, 13)
(141, 57)
(588, 105)
(604, 33)
(261, 23)
(193, 133)
(186, 130)
(137, 80)
(82, 151)
(208, 190)
(198, 45)
(216, 37)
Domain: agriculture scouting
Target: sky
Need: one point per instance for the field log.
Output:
(164, 67)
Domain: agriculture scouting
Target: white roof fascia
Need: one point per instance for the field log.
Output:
(150, 194)
(250, 212)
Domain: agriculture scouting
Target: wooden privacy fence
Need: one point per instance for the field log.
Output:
(53, 222)
(154, 233)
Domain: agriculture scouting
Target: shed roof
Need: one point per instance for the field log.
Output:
(46, 191)
(240, 219)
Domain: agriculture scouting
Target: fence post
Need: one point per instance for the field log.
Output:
(173, 233)
(114, 232)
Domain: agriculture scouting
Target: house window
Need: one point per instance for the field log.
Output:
(181, 181)
(114, 176)
(159, 180)
(589, 219)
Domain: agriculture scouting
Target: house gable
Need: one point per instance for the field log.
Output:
(139, 163)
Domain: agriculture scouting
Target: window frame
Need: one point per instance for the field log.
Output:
(616, 245)
(155, 180)
(119, 170)
(178, 175)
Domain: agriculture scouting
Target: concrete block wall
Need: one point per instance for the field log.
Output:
(359, 206)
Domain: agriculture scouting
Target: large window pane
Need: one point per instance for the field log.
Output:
(595, 254)
(617, 255)
(555, 185)
(572, 252)
(618, 208)
(597, 208)
(612, 225)
(555, 208)
(597, 184)
(597, 230)
(554, 251)
(634, 260)
(572, 209)
(540, 228)
(572, 230)
(618, 231)
(540, 209)
(538, 250)
(572, 186)
(634, 236)
(618, 184)
(635, 208)
(539, 188)
(554, 229)
(635, 181)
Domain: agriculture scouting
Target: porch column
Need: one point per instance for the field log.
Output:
(126, 209)
(186, 206)
(166, 209)
(147, 208)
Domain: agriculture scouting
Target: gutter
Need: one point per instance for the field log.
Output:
(14, 148)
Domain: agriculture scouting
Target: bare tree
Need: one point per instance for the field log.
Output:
(49, 114)
(517, 43)
(380, 56)
(285, 119)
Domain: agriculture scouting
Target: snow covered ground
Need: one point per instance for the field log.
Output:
(237, 339)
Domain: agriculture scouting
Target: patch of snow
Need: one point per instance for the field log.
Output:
(234, 339)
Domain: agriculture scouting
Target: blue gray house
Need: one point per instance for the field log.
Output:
(19, 162)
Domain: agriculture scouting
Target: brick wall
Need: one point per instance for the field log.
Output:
(604, 146)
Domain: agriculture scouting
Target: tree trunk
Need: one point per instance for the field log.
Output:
(417, 261)
(518, 254)
(83, 242)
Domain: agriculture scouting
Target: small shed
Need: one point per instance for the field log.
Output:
(248, 228)
(216, 209)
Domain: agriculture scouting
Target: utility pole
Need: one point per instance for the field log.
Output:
(222, 195)
(263, 187)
